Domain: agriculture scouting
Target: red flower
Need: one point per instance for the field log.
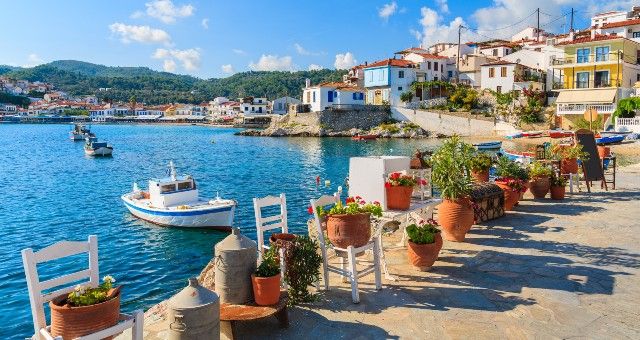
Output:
(350, 200)
(376, 203)
(310, 210)
(395, 175)
(358, 198)
(423, 182)
(387, 185)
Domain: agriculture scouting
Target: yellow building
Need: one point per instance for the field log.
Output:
(597, 71)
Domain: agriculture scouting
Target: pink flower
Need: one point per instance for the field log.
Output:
(423, 182)
(376, 203)
(395, 175)
(358, 198)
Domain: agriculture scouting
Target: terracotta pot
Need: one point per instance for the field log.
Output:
(423, 256)
(455, 218)
(399, 198)
(604, 151)
(540, 187)
(282, 240)
(349, 229)
(480, 176)
(569, 166)
(557, 192)
(510, 197)
(72, 322)
(266, 290)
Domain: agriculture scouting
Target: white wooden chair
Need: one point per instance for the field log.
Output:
(350, 270)
(267, 223)
(36, 287)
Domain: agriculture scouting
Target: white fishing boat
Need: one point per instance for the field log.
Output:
(79, 132)
(93, 147)
(174, 201)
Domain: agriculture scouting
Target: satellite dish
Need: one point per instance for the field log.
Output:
(518, 61)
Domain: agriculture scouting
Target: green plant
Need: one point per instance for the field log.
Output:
(627, 107)
(389, 127)
(87, 296)
(406, 96)
(506, 168)
(538, 170)
(451, 166)
(481, 162)
(270, 266)
(423, 233)
(595, 125)
(569, 152)
(352, 206)
(463, 97)
(302, 268)
(558, 181)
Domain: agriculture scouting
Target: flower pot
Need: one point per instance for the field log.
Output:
(423, 256)
(604, 151)
(345, 230)
(510, 197)
(399, 198)
(266, 290)
(540, 187)
(455, 218)
(72, 322)
(480, 176)
(557, 192)
(283, 241)
(569, 166)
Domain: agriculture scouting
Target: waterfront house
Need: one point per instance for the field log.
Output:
(8, 109)
(598, 70)
(504, 76)
(252, 106)
(540, 56)
(329, 95)
(280, 105)
(355, 76)
(385, 80)
(470, 67)
(430, 67)
(101, 113)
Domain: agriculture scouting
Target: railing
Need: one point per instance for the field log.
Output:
(628, 124)
(589, 85)
(574, 109)
(597, 58)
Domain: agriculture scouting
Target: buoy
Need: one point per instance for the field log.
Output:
(340, 190)
(327, 183)
(317, 180)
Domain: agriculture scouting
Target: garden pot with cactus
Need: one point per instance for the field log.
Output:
(424, 244)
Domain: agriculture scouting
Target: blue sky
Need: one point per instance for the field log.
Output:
(217, 38)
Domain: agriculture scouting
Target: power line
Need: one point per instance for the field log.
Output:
(503, 28)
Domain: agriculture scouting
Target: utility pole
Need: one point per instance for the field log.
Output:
(538, 30)
(458, 56)
(571, 26)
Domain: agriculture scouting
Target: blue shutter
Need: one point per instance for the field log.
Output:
(330, 95)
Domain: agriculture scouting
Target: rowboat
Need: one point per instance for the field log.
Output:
(488, 145)
(520, 157)
(560, 134)
(514, 135)
(610, 139)
(610, 133)
(364, 137)
(532, 134)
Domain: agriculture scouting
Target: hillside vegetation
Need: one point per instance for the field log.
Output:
(154, 87)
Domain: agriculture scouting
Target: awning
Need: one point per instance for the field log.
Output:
(587, 96)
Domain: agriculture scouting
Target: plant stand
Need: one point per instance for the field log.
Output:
(231, 314)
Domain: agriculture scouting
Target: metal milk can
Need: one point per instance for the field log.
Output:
(235, 261)
(194, 313)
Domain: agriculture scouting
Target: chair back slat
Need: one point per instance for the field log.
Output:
(265, 223)
(60, 250)
(266, 220)
(61, 280)
(321, 202)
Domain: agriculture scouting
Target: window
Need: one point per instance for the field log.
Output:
(602, 53)
(495, 52)
(361, 96)
(308, 97)
(492, 72)
(503, 71)
(441, 67)
(449, 74)
(435, 78)
(435, 65)
(638, 77)
(636, 34)
(399, 88)
(330, 96)
(314, 96)
(184, 185)
(428, 65)
(499, 89)
(582, 55)
(601, 78)
(167, 188)
(354, 96)
(401, 74)
(582, 80)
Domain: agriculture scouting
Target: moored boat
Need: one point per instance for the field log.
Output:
(488, 145)
(532, 134)
(514, 135)
(610, 139)
(93, 147)
(560, 133)
(174, 201)
(79, 132)
(520, 157)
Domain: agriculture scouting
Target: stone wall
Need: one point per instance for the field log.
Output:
(330, 120)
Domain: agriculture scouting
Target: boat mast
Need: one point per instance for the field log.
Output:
(172, 171)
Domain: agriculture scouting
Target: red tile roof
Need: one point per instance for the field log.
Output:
(622, 23)
(430, 56)
(392, 62)
(589, 39)
(499, 62)
(339, 86)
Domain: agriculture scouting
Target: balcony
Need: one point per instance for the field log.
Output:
(578, 109)
(611, 57)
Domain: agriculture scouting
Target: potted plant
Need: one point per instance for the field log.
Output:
(398, 190)
(424, 244)
(302, 268)
(558, 187)
(450, 173)
(349, 224)
(85, 310)
(604, 151)
(540, 176)
(569, 155)
(480, 165)
(266, 279)
(511, 179)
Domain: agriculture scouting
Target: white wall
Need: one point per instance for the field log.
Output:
(280, 105)
(506, 83)
(399, 85)
(500, 50)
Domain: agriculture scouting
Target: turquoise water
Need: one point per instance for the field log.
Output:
(50, 191)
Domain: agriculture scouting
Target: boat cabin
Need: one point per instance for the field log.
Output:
(172, 191)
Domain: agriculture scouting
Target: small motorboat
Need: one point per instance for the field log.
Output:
(610, 133)
(520, 157)
(488, 145)
(93, 147)
(560, 134)
(364, 137)
(79, 132)
(514, 135)
(610, 139)
(532, 134)
(174, 201)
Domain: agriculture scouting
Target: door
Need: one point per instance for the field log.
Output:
(377, 97)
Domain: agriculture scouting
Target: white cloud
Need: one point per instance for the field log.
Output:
(169, 65)
(388, 10)
(273, 63)
(205, 23)
(345, 61)
(315, 67)
(434, 30)
(239, 51)
(167, 12)
(228, 69)
(137, 15)
(33, 60)
(143, 34)
(189, 59)
(443, 5)
(303, 51)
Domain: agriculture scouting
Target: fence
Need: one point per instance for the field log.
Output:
(628, 124)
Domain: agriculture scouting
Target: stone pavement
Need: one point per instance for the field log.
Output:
(551, 269)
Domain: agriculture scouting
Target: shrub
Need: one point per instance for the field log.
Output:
(423, 233)
(302, 268)
(86, 296)
(269, 266)
(406, 96)
(539, 170)
(451, 166)
(481, 162)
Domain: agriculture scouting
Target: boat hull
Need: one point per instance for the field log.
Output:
(76, 136)
(610, 139)
(99, 152)
(488, 146)
(215, 217)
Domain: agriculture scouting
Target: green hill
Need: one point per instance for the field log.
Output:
(154, 87)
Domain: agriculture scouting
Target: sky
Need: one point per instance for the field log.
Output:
(213, 39)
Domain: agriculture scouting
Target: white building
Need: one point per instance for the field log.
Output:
(504, 76)
(430, 66)
(385, 80)
(280, 105)
(470, 67)
(8, 109)
(540, 57)
(497, 50)
(332, 94)
(530, 34)
(250, 106)
(101, 114)
(600, 19)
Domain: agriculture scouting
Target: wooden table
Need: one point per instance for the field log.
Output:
(236, 313)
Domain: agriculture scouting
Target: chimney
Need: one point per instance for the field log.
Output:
(365, 63)
(572, 35)
(307, 83)
(593, 34)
